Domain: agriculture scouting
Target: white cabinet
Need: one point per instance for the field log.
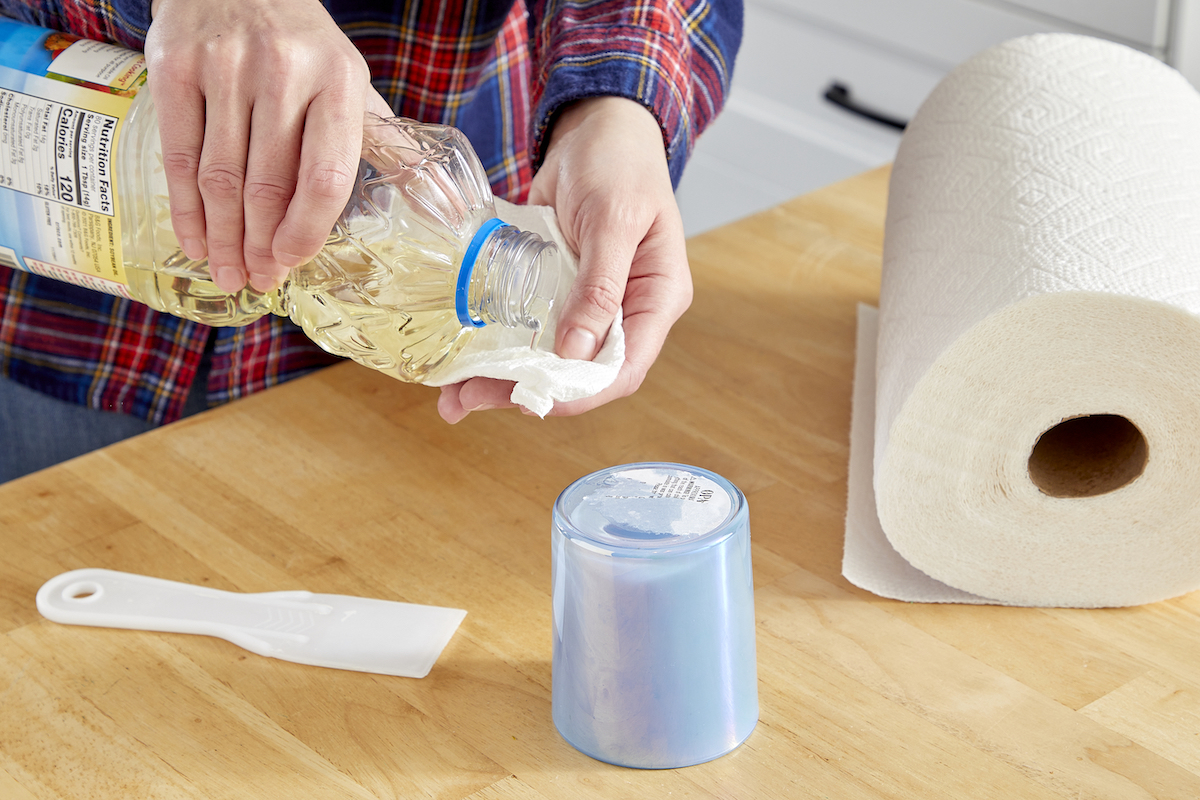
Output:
(778, 137)
(1143, 22)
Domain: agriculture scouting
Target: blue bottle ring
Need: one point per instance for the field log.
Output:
(468, 268)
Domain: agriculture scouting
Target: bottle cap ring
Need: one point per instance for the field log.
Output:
(468, 268)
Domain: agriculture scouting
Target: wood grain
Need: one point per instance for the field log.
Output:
(347, 482)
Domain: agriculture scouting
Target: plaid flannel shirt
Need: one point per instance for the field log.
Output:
(496, 69)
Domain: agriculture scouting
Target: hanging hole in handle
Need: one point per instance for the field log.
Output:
(839, 94)
(83, 592)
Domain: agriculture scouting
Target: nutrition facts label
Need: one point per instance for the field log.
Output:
(63, 104)
(56, 151)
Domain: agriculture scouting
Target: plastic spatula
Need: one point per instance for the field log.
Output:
(324, 630)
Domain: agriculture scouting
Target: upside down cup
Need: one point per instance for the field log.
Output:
(653, 600)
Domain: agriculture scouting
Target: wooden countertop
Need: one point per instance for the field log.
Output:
(348, 482)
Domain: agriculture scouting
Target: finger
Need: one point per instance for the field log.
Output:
(481, 394)
(656, 296)
(485, 394)
(180, 110)
(641, 335)
(658, 293)
(448, 404)
(221, 178)
(330, 148)
(272, 163)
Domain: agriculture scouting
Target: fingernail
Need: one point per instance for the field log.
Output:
(229, 279)
(482, 407)
(194, 249)
(580, 344)
(264, 283)
(288, 259)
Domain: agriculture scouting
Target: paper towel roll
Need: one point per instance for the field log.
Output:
(1037, 429)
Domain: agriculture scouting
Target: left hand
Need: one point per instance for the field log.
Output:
(605, 174)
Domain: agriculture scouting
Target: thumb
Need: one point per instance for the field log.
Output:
(595, 297)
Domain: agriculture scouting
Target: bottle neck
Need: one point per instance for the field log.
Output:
(508, 277)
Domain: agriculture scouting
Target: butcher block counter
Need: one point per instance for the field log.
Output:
(347, 482)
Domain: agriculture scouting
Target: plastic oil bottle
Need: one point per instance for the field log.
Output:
(416, 262)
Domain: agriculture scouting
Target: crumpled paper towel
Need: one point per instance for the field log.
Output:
(541, 376)
(1028, 432)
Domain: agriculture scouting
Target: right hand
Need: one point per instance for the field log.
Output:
(606, 176)
(260, 111)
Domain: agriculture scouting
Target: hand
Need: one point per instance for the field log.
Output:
(260, 109)
(606, 176)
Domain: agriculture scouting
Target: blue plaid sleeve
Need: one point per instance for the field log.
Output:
(673, 56)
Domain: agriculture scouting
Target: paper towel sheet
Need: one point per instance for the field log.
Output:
(1036, 400)
(541, 376)
(869, 561)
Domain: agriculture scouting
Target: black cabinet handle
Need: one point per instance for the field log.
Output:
(839, 94)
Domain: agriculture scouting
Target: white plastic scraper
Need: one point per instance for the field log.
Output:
(324, 630)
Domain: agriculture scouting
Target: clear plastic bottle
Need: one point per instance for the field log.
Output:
(416, 262)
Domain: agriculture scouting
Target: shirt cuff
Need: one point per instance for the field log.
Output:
(628, 61)
(129, 22)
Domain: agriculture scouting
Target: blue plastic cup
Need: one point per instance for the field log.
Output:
(654, 661)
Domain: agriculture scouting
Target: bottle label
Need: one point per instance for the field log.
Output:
(62, 103)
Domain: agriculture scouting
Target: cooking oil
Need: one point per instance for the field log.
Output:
(157, 272)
